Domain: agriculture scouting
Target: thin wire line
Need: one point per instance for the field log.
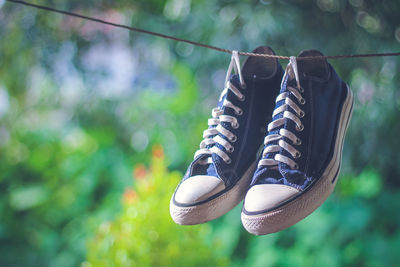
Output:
(121, 26)
(192, 42)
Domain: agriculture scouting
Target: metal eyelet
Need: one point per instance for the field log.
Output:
(302, 101)
(298, 142)
(243, 98)
(297, 155)
(233, 139)
(239, 112)
(302, 114)
(235, 125)
(296, 167)
(229, 161)
(231, 149)
(301, 90)
(300, 128)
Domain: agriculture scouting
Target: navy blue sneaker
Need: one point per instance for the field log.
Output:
(221, 172)
(300, 163)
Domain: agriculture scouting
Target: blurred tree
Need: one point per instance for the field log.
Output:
(145, 235)
(81, 103)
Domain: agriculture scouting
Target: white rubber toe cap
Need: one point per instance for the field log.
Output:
(267, 196)
(198, 188)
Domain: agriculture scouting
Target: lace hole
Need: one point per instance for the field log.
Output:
(302, 114)
(302, 101)
(229, 161)
(296, 167)
(300, 128)
(235, 125)
(297, 155)
(239, 112)
(301, 90)
(231, 149)
(243, 98)
(233, 139)
(298, 142)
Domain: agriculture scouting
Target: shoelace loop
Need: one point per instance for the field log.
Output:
(211, 135)
(274, 143)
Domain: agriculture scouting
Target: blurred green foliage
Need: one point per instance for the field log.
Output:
(145, 235)
(82, 103)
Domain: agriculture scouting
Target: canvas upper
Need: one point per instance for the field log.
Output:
(262, 77)
(323, 94)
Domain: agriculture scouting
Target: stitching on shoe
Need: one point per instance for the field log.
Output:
(311, 130)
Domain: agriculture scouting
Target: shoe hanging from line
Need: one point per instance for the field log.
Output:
(221, 172)
(299, 166)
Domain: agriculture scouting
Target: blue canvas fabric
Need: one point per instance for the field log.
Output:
(325, 94)
(260, 93)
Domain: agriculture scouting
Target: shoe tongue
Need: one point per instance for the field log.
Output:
(206, 169)
(260, 66)
(317, 67)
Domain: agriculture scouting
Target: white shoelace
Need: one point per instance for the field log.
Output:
(210, 135)
(295, 117)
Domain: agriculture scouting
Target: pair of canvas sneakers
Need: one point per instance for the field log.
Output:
(306, 108)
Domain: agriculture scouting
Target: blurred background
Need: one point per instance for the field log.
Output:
(97, 125)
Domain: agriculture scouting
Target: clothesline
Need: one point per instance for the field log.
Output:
(165, 36)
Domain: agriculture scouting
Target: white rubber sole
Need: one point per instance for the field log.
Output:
(215, 207)
(301, 206)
